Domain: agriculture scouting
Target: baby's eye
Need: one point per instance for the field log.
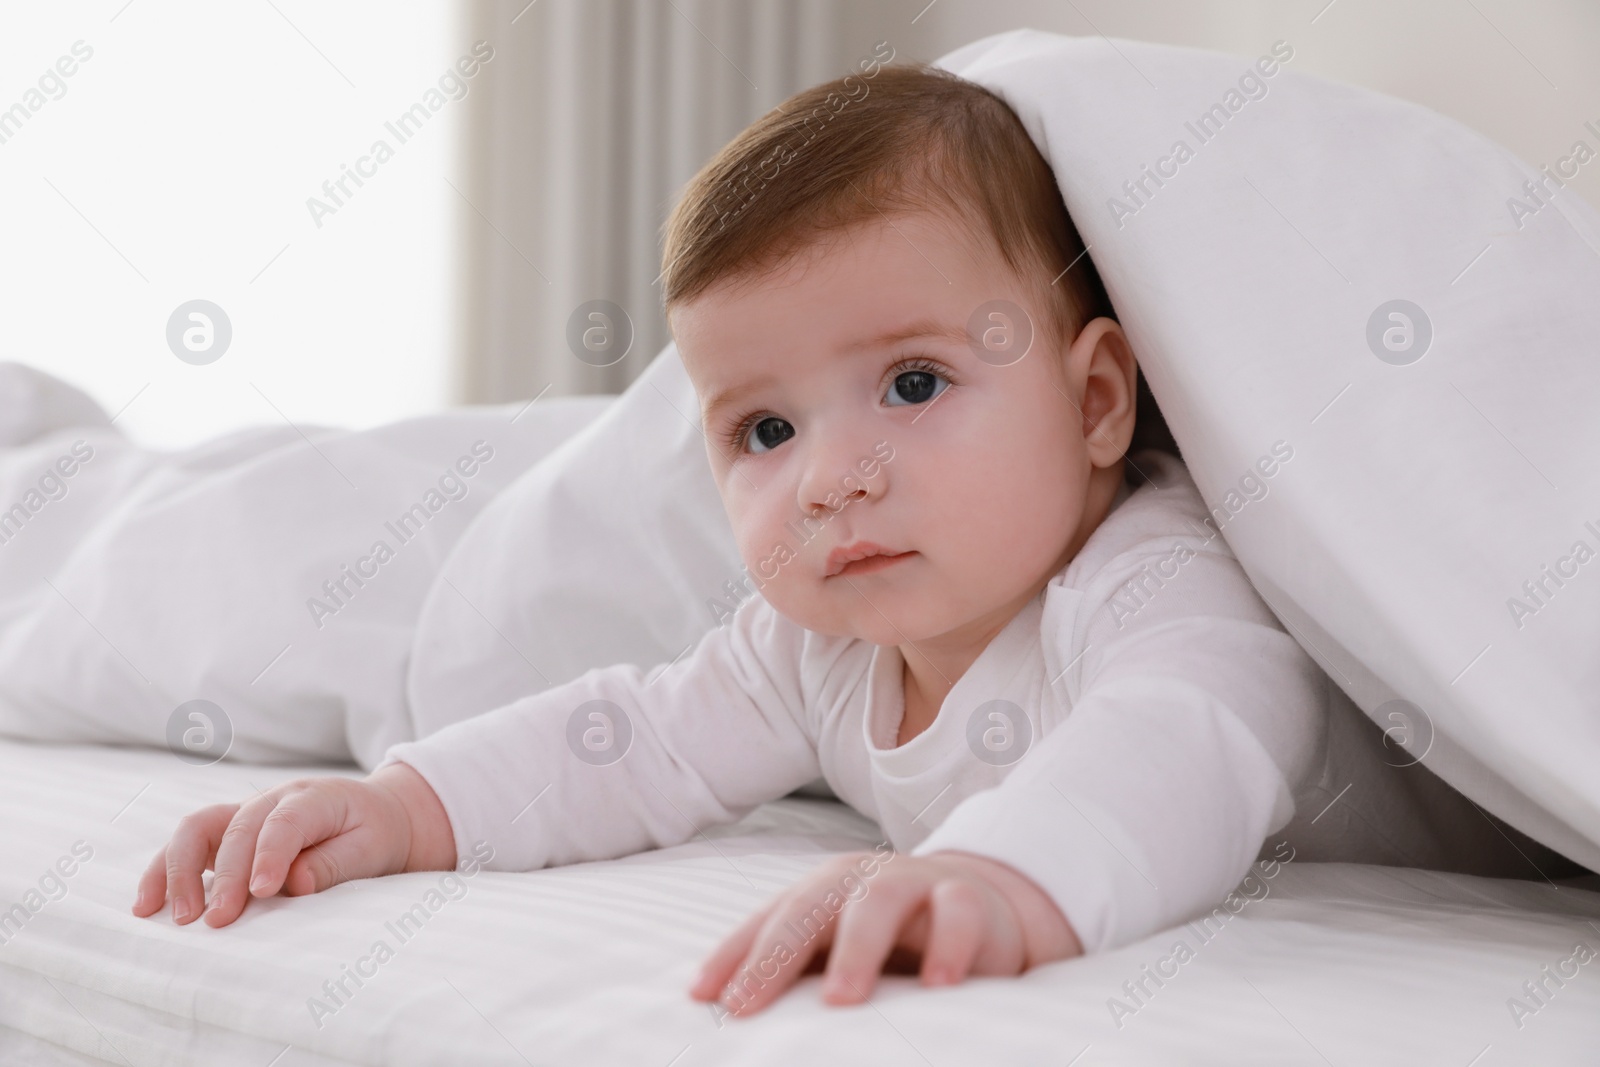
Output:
(770, 432)
(916, 387)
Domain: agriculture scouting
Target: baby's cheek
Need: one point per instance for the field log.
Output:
(769, 556)
(1021, 517)
(787, 572)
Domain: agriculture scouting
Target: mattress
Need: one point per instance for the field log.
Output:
(588, 964)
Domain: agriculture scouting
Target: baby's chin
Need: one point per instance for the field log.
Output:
(885, 620)
(807, 613)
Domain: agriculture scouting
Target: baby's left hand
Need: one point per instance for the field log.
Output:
(959, 912)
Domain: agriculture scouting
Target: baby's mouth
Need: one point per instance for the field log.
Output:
(872, 563)
(863, 557)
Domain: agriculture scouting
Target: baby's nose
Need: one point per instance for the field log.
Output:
(823, 501)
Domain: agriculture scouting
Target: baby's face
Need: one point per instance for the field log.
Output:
(969, 478)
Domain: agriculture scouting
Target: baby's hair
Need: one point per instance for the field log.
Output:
(906, 137)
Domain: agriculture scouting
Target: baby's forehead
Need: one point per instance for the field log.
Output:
(834, 297)
(810, 255)
(824, 260)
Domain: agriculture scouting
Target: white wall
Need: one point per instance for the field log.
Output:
(177, 165)
(1523, 72)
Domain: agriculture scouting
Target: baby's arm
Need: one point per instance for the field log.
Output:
(1194, 719)
(623, 759)
(681, 747)
(300, 837)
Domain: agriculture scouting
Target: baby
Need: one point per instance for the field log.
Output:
(987, 623)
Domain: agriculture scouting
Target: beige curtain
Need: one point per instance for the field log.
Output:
(588, 121)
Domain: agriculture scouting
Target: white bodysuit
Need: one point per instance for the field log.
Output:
(1128, 741)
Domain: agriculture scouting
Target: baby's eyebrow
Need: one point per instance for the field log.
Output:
(726, 397)
(933, 328)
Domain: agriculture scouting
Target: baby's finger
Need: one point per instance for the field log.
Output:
(235, 854)
(189, 853)
(956, 931)
(152, 892)
(869, 928)
(300, 820)
(718, 967)
(775, 962)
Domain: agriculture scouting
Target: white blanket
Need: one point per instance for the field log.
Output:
(242, 572)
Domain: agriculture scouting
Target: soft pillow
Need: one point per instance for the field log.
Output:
(614, 549)
(1372, 332)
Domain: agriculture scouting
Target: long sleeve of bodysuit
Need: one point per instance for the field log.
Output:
(624, 759)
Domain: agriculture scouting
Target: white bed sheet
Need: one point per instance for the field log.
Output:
(1336, 963)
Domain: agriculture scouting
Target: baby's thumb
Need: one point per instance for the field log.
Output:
(326, 864)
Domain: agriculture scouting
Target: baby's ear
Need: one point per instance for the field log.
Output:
(1102, 368)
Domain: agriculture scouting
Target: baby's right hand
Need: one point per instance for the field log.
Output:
(300, 837)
